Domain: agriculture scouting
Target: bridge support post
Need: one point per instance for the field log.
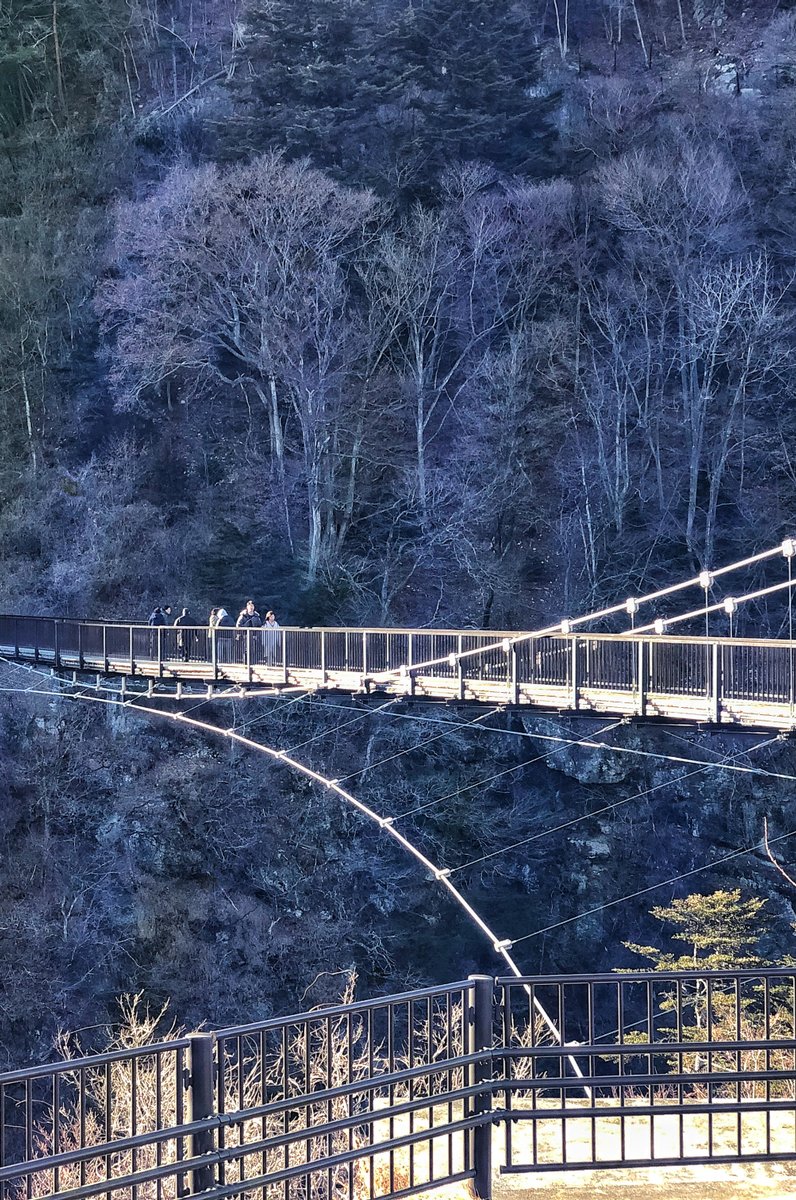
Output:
(642, 671)
(514, 678)
(201, 1096)
(714, 713)
(480, 1037)
(575, 673)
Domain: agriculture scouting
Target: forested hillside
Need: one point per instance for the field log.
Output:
(441, 312)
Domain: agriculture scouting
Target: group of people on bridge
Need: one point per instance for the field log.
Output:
(191, 636)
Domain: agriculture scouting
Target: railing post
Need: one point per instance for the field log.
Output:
(283, 635)
(105, 663)
(214, 652)
(460, 668)
(132, 656)
(480, 1033)
(201, 1106)
(715, 684)
(249, 653)
(56, 645)
(160, 651)
(575, 670)
(16, 637)
(323, 656)
(643, 677)
(514, 673)
(364, 654)
(80, 646)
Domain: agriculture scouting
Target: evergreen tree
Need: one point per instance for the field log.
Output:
(391, 96)
(464, 71)
(721, 930)
(297, 81)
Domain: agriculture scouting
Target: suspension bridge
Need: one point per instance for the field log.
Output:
(352, 1122)
(659, 669)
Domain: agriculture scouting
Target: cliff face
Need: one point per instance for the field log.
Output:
(138, 856)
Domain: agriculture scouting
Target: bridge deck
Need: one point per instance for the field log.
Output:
(719, 681)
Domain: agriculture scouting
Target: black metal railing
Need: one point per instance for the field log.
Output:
(744, 681)
(676, 1067)
(386, 1097)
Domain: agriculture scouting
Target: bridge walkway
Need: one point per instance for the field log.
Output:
(733, 682)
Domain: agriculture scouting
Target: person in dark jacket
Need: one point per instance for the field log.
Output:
(158, 616)
(185, 635)
(249, 617)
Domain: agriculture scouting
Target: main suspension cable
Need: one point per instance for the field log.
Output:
(500, 946)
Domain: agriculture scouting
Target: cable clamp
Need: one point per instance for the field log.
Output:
(442, 873)
(506, 944)
(385, 821)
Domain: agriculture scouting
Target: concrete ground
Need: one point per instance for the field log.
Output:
(761, 1182)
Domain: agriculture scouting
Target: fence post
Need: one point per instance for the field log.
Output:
(575, 669)
(643, 677)
(715, 684)
(201, 1106)
(323, 656)
(480, 1033)
(56, 645)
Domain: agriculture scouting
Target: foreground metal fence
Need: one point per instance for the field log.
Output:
(389, 1097)
(712, 680)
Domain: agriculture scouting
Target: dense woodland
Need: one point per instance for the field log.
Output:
(443, 312)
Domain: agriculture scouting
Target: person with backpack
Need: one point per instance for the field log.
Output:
(158, 617)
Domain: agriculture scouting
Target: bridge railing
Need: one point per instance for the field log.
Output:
(384, 1097)
(568, 670)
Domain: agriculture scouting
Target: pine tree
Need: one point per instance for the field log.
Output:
(297, 81)
(458, 77)
(721, 930)
(390, 97)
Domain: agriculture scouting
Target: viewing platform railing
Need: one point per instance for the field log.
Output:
(387, 1097)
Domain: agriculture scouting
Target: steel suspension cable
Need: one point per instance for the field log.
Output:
(500, 946)
(411, 812)
(417, 746)
(552, 630)
(474, 862)
(632, 750)
(653, 887)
